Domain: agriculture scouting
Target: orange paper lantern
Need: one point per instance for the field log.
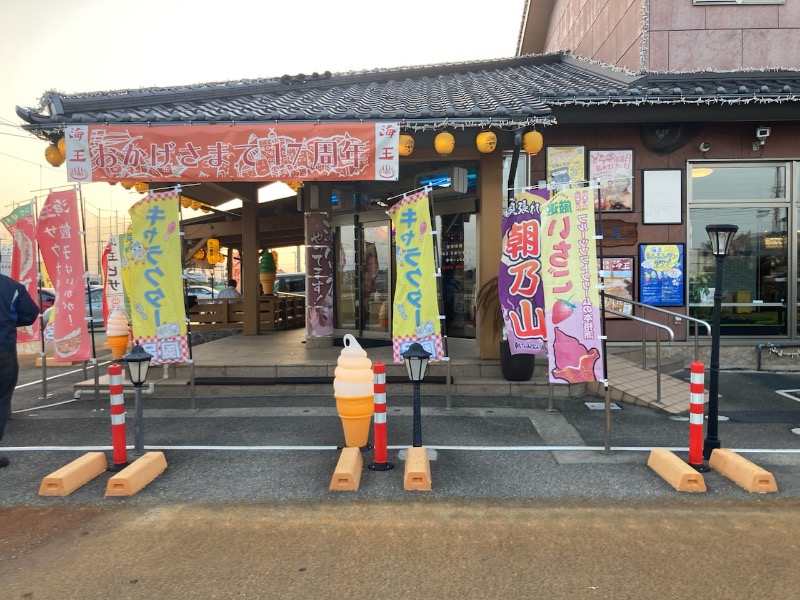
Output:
(406, 145)
(53, 156)
(486, 142)
(444, 143)
(532, 142)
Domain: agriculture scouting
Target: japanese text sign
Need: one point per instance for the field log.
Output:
(158, 313)
(258, 152)
(58, 233)
(570, 279)
(519, 278)
(415, 308)
(24, 266)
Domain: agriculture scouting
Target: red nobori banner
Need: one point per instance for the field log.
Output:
(258, 152)
(60, 242)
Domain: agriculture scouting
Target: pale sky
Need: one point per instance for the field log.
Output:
(99, 45)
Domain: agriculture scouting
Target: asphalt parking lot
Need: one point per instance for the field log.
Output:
(269, 448)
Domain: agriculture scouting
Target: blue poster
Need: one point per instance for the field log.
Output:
(661, 274)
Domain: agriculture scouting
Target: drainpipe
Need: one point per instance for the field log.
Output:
(512, 172)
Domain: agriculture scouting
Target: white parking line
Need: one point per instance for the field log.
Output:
(790, 394)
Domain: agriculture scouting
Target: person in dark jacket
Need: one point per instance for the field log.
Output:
(16, 308)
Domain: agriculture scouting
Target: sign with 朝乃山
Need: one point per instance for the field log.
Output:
(415, 307)
(158, 313)
(238, 152)
(519, 278)
(570, 279)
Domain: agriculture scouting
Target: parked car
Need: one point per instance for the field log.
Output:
(201, 291)
(96, 308)
(292, 283)
(47, 297)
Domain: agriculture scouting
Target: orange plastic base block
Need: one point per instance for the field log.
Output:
(742, 472)
(676, 472)
(347, 475)
(418, 470)
(137, 475)
(72, 476)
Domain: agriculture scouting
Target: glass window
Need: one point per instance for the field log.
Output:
(712, 182)
(458, 252)
(755, 271)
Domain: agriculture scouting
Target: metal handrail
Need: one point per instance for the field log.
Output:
(668, 312)
(644, 322)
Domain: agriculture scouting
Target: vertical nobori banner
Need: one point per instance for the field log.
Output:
(319, 270)
(58, 233)
(113, 288)
(22, 227)
(158, 312)
(519, 279)
(570, 278)
(415, 307)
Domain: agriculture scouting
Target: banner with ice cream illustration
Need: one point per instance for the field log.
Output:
(58, 234)
(158, 313)
(570, 279)
(113, 288)
(21, 224)
(415, 307)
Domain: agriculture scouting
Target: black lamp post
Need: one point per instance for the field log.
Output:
(416, 358)
(721, 237)
(138, 362)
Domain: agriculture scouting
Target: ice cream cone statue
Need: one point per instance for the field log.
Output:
(353, 389)
(118, 333)
(267, 268)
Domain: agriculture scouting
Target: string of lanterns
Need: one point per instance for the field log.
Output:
(486, 141)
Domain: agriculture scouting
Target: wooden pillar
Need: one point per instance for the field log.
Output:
(491, 194)
(250, 258)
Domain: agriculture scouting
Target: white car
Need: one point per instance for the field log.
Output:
(201, 291)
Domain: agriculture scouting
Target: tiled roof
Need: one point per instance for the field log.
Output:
(510, 93)
(506, 92)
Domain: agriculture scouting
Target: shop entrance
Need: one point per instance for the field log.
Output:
(364, 271)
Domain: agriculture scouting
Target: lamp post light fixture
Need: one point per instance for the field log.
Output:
(138, 362)
(721, 237)
(416, 358)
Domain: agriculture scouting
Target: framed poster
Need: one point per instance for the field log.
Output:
(662, 274)
(566, 165)
(612, 170)
(618, 279)
(662, 196)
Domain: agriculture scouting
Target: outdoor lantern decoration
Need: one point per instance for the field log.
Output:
(532, 142)
(53, 156)
(444, 143)
(186, 202)
(138, 362)
(486, 142)
(406, 145)
(199, 255)
(141, 187)
(212, 251)
(416, 358)
(127, 184)
(721, 237)
(62, 146)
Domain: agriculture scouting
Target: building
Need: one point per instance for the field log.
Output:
(700, 147)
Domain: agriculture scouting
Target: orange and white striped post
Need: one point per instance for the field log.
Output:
(381, 462)
(118, 436)
(696, 409)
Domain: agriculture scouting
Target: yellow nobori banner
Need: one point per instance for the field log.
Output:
(158, 313)
(415, 308)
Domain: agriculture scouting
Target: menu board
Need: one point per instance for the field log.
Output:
(618, 280)
(662, 274)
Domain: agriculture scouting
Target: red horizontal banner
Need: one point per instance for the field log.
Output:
(258, 152)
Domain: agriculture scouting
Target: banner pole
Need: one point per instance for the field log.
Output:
(89, 297)
(439, 290)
